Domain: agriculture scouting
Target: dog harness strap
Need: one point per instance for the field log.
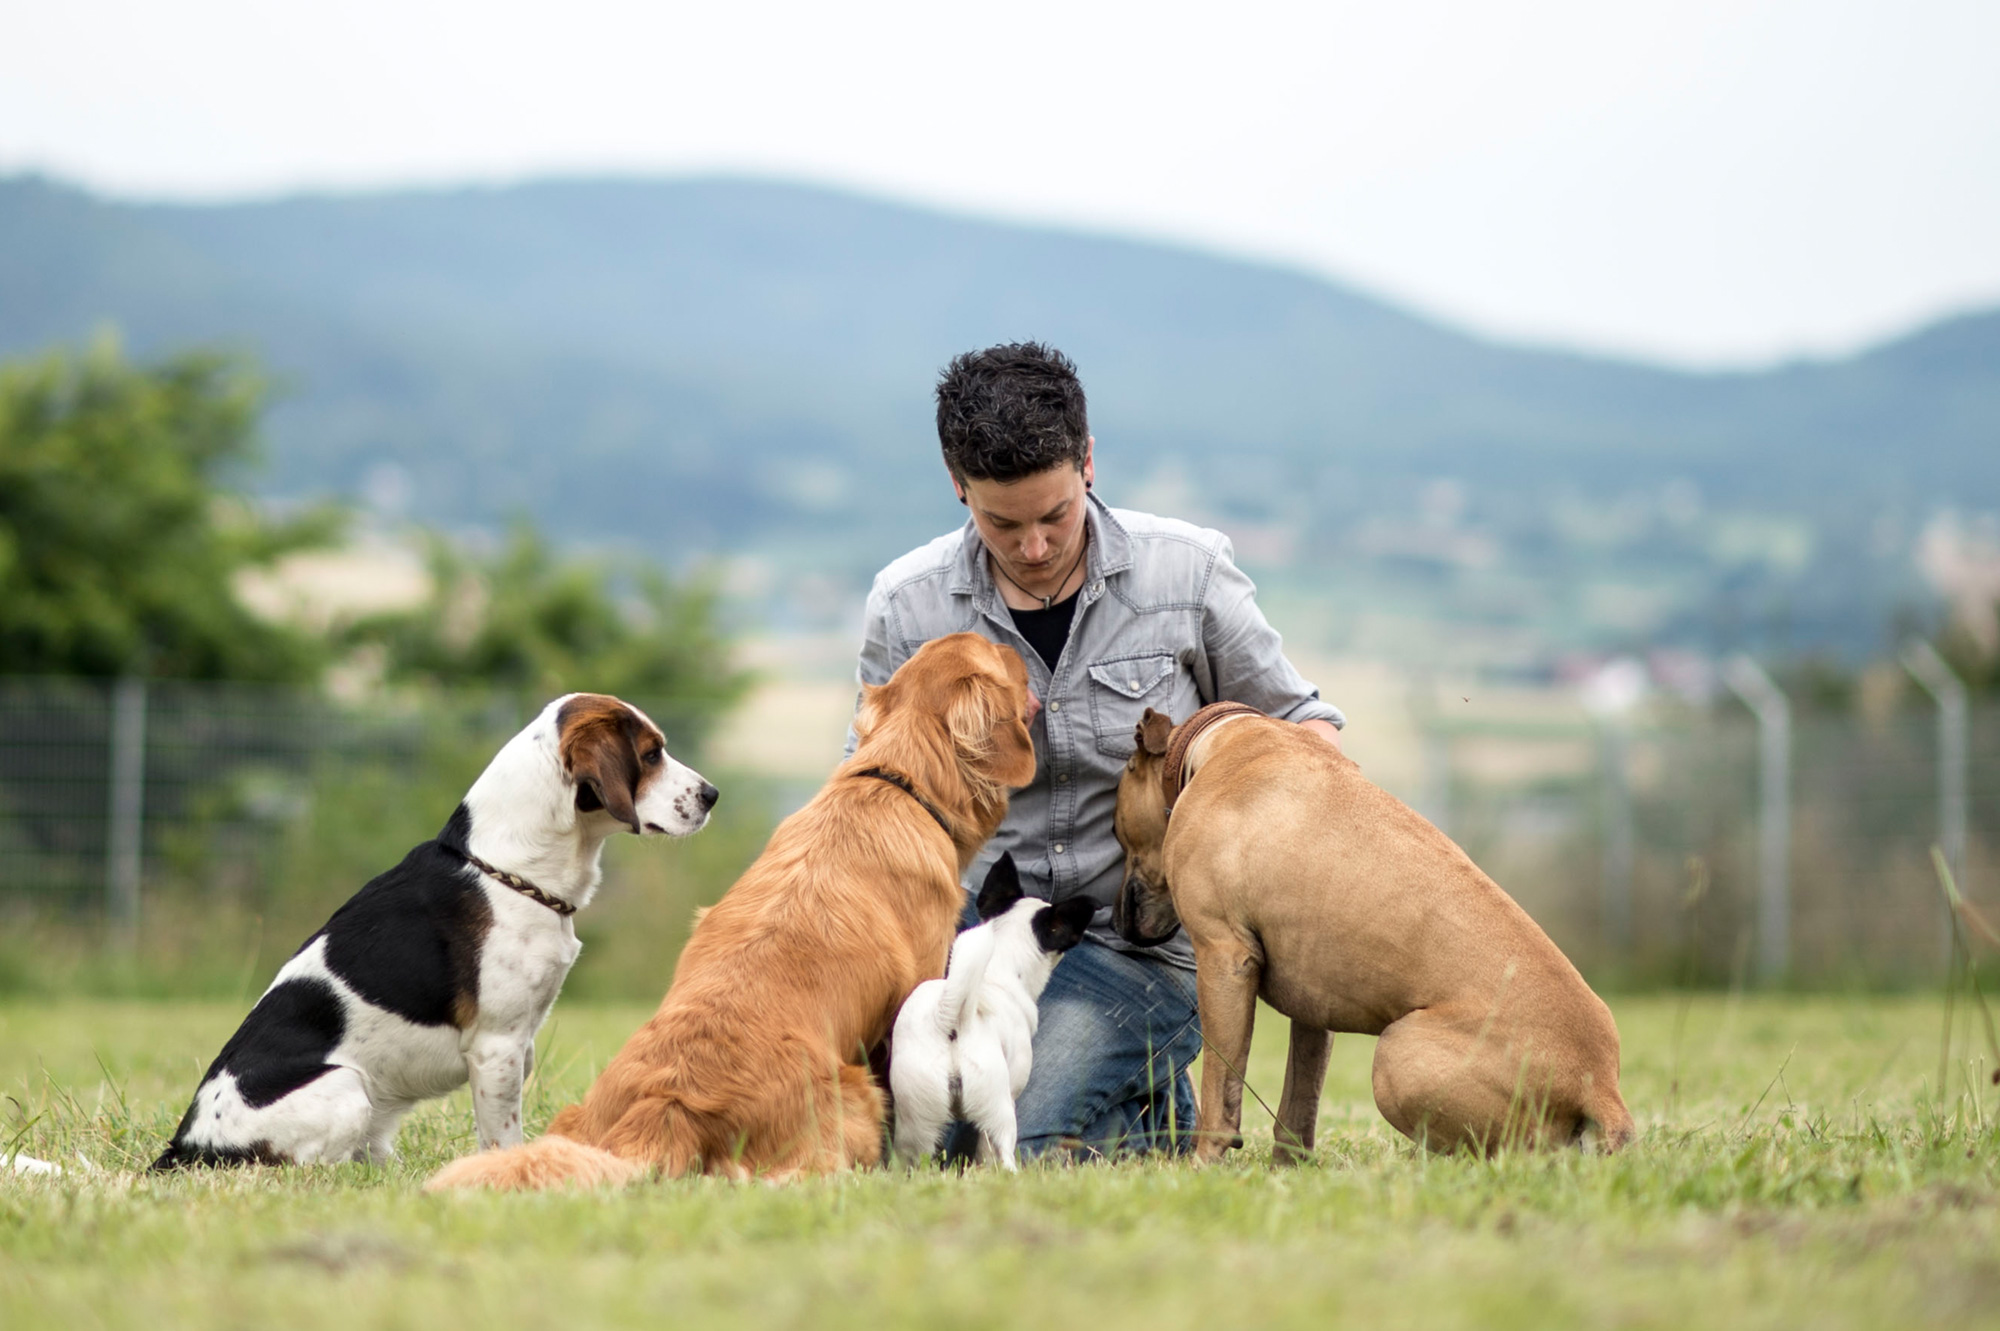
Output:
(902, 783)
(1183, 738)
(523, 886)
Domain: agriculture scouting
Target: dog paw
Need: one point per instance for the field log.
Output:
(1285, 1155)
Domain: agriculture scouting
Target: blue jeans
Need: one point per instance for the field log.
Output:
(1116, 1037)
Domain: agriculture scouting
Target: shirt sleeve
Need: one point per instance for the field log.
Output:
(879, 653)
(1246, 656)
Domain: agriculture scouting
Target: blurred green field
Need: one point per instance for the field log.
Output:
(1796, 1166)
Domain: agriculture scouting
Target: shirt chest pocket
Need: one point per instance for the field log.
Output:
(1120, 693)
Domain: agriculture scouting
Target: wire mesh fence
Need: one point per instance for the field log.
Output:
(1638, 849)
(211, 777)
(1641, 853)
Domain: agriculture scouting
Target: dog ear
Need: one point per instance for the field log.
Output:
(979, 715)
(970, 719)
(1153, 732)
(1001, 889)
(1061, 926)
(598, 751)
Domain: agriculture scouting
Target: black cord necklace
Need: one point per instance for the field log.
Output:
(1048, 602)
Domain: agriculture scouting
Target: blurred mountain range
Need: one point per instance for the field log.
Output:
(722, 366)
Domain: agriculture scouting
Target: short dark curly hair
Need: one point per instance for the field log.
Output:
(1011, 411)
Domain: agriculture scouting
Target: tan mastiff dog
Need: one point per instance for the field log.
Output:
(1299, 880)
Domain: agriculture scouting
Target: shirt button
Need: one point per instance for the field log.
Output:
(1062, 778)
(1059, 847)
(1132, 684)
(1055, 707)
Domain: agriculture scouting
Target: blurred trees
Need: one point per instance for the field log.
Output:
(528, 620)
(119, 538)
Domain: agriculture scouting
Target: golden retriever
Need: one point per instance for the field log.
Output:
(756, 1063)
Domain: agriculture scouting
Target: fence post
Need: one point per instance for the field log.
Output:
(1763, 697)
(125, 829)
(1614, 753)
(1436, 794)
(1954, 757)
(1611, 695)
(1433, 752)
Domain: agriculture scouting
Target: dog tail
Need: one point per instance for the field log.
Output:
(546, 1162)
(963, 977)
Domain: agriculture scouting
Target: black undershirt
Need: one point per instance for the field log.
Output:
(1047, 630)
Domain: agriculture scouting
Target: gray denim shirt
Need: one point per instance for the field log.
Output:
(1165, 620)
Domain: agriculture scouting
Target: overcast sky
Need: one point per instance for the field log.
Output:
(1707, 182)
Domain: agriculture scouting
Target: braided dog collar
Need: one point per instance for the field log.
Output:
(1185, 734)
(902, 783)
(522, 885)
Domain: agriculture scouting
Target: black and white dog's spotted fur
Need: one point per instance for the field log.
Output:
(441, 970)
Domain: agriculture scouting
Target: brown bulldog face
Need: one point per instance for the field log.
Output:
(1143, 912)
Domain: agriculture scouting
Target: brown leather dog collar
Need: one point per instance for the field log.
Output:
(1183, 738)
(523, 886)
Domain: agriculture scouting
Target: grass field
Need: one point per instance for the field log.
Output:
(1796, 1168)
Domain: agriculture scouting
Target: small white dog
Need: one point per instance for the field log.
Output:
(964, 1045)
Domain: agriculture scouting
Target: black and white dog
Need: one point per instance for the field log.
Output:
(964, 1045)
(442, 969)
